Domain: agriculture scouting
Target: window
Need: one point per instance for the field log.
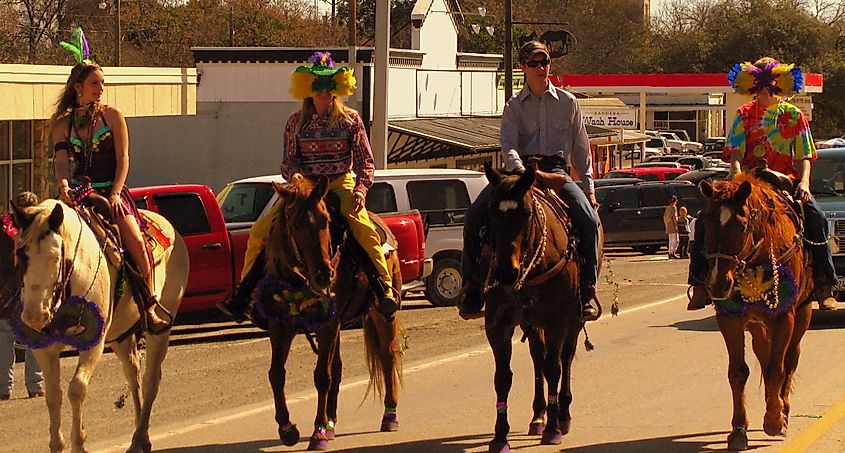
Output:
(185, 211)
(381, 198)
(444, 201)
(648, 176)
(689, 196)
(654, 195)
(244, 202)
(15, 159)
(625, 198)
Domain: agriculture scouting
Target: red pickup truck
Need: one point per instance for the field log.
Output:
(216, 248)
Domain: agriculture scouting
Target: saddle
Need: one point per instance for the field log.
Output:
(784, 186)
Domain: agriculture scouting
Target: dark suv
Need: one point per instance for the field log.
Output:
(632, 215)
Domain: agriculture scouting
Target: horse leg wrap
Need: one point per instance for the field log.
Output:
(502, 407)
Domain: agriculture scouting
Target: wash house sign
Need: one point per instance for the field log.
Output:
(611, 118)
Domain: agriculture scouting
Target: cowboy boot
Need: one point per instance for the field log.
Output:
(154, 323)
(826, 296)
(588, 311)
(699, 298)
(237, 304)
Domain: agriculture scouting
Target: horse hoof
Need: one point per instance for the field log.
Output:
(551, 437)
(289, 435)
(565, 426)
(774, 429)
(330, 432)
(318, 444)
(390, 422)
(738, 440)
(497, 446)
(536, 428)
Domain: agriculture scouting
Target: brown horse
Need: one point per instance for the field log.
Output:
(760, 280)
(299, 254)
(533, 281)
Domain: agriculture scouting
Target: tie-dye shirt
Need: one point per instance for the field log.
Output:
(780, 134)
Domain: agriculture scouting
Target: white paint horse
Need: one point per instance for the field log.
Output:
(62, 260)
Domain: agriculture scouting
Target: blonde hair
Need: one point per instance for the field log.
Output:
(339, 113)
(682, 211)
(67, 99)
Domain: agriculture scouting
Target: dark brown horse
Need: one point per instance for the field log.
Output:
(532, 281)
(760, 281)
(300, 253)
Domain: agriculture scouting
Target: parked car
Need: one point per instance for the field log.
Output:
(693, 162)
(676, 143)
(647, 173)
(632, 215)
(216, 249)
(827, 184)
(600, 182)
(440, 195)
(659, 164)
(709, 174)
(713, 145)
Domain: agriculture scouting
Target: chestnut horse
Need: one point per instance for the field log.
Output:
(532, 281)
(59, 255)
(299, 253)
(749, 234)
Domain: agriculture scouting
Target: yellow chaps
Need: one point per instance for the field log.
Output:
(359, 222)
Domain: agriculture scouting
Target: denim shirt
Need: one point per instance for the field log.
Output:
(547, 125)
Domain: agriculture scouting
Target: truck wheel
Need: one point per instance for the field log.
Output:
(647, 249)
(444, 284)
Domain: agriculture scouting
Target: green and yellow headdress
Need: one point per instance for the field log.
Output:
(78, 45)
(307, 81)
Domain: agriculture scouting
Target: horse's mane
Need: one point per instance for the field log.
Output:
(774, 221)
(277, 244)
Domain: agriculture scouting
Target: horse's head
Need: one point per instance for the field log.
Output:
(306, 218)
(509, 220)
(41, 256)
(728, 218)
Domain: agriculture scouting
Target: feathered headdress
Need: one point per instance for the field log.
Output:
(321, 76)
(783, 79)
(78, 46)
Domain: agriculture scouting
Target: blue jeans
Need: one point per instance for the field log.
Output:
(584, 217)
(815, 230)
(34, 379)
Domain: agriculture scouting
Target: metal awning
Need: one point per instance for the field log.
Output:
(437, 138)
(628, 136)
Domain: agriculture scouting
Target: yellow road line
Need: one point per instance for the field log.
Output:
(817, 429)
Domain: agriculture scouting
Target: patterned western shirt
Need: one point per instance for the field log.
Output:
(319, 149)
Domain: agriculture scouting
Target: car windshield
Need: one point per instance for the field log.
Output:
(828, 176)
(654, 143)
(244, 202)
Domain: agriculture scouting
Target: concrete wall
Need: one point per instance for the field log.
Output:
(222, 143)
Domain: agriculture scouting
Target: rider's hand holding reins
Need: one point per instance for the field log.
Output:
(64, 196)
(802, 191)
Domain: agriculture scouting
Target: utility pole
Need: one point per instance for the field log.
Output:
(381, 63)
(117, 37)
(508, 50)
(353, 38)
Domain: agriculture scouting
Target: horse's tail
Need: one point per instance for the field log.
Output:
(382, 343)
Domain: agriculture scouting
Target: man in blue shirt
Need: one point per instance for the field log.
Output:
(541, 121)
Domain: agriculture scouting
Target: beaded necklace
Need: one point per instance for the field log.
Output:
(88, 142)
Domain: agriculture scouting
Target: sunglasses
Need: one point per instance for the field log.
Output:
(534, 63)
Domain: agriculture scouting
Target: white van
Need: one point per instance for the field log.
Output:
(442, 196)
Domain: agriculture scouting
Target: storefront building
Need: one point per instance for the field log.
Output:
(28, 94)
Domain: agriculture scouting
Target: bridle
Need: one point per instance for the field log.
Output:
(61, 287)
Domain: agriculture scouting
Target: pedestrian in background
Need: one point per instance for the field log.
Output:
(32, 373)
(670, 221)
(683, 232)
(692, 231)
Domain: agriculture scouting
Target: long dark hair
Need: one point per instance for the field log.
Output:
(67, 99)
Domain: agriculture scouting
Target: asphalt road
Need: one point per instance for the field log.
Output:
(656, 382)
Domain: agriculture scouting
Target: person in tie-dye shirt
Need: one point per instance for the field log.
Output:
(770, 128)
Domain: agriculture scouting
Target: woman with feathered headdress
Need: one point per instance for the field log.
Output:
(768, 127)
(322, 138)
(91, 142)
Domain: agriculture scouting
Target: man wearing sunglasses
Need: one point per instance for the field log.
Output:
(541, 122)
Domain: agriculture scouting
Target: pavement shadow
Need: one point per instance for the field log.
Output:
(676, 444)
(707, 324)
